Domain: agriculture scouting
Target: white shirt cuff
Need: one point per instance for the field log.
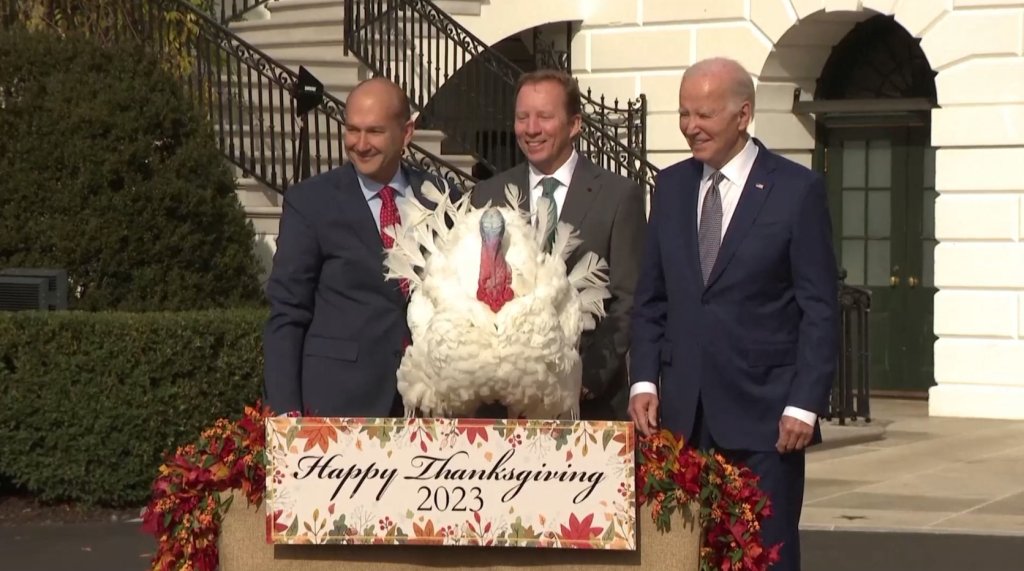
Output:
(800, 414)
(643, 387)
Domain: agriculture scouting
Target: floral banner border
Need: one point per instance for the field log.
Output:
(344, 450)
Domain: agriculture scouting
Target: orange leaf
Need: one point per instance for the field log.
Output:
(318, 435)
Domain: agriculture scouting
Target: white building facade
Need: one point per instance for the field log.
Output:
(927, 191)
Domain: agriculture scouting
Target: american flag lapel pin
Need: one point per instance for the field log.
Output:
(759, 186)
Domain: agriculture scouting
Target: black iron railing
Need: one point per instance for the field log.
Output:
(851, 393)
(420, 47)
(249, 97)
(626, 121)
(547, 54)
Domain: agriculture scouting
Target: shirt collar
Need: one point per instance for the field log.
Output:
(562, 175)
(738, 168)
(371, 188)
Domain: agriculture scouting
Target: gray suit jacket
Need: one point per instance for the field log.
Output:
(608, 212)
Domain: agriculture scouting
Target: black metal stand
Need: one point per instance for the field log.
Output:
(301, 166)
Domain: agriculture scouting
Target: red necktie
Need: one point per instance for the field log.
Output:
(389, 218)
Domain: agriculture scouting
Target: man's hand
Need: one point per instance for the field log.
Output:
(643, 409)
(794, 434)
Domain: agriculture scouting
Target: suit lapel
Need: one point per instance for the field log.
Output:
(360, 218)
(759, 184)
(358, 211)
(690, 249)
(581, 193)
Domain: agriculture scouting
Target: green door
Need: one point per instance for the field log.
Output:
(881, 184)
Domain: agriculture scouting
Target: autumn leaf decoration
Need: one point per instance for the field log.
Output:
(186, 508)
(672, 476)
(317, 435)
(580, 533)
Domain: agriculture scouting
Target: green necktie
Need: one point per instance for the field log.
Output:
(549, 185)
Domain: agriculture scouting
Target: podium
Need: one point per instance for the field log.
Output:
(243, 547)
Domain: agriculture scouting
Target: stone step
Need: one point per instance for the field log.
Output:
(339, 78)
(265, 220)
(295, 13)
(252, 193)
(297, 22)
(427, 139)
(282, 160)
(256, 197)
(268, 37)
(305, 10)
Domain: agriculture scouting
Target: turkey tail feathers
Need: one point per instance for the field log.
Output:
(566, 240)
(513, 195)
(431, 193)
(590, 279)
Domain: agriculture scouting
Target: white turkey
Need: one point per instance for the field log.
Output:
(494, 315)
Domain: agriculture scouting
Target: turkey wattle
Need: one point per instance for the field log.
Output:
(495, 318)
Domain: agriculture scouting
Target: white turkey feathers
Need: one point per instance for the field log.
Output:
(493, 317)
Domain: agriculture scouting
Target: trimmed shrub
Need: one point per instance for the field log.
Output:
(89, 402)
(111, 172)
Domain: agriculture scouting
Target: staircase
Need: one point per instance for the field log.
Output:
(248, 95)
(310, 33)
(468, 88)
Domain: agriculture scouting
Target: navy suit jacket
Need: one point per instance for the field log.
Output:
(764, 333)
(333, 341)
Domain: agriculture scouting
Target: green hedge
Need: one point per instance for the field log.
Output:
(110, 171)
(89, 402)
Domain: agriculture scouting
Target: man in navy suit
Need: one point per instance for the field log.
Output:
(337, 328)
(736, 309)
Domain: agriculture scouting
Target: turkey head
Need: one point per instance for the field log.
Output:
(494, 284)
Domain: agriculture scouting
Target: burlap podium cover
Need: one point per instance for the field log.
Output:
(243, 547)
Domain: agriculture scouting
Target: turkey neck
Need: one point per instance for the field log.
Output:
(495, 280)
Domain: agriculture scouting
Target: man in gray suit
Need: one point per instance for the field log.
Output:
(606, 209)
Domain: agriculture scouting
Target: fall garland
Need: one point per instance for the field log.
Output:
(672, 476)
(186, 509)
(188, 501)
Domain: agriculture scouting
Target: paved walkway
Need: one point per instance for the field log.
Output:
(924, 474)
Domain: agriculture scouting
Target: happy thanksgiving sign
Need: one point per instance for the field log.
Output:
(529, 483)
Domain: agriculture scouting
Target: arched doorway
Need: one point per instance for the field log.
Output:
(872, 106)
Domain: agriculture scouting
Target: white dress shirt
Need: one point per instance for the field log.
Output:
(371, 191)
(563, 175)
(736, 172)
